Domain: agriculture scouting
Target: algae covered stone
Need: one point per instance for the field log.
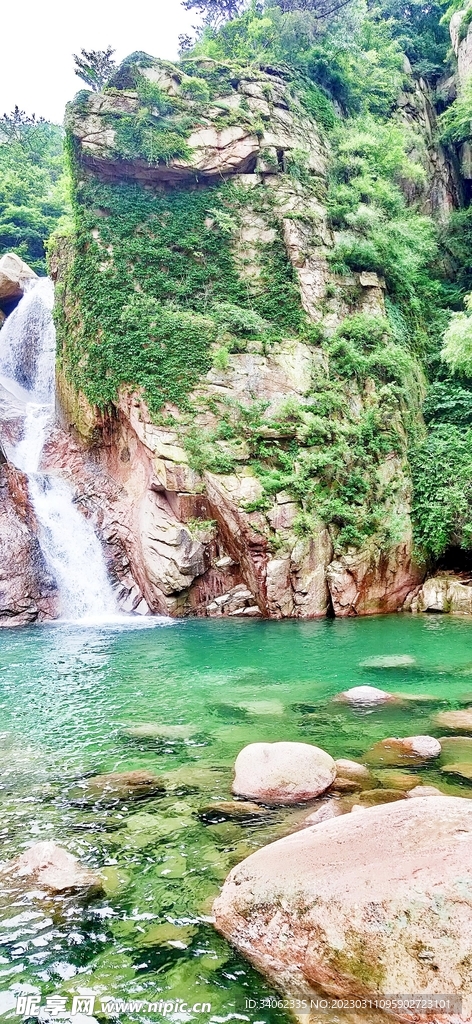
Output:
(115, 786)
(456, 721)
(397, 752)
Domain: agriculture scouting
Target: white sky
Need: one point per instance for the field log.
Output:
(38, 38)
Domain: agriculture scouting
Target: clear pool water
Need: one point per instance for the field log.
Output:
(67, 695)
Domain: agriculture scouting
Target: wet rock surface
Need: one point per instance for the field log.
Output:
(395, 752)
(51, 868)
(27, 591)
(116, 786)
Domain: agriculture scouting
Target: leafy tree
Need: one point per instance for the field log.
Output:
(442, 500)
(33, 185)
(95, 67)
(15, 127)
(457, 348)
(215, 12)
(418, 27)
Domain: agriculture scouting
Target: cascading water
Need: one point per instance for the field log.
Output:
(68, 542)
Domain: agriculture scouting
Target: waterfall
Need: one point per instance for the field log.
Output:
(69, 544)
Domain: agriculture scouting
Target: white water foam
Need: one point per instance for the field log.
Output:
(69, 544)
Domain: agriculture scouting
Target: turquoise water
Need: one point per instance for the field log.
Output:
(67, 695)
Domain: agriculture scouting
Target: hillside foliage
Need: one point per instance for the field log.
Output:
(33, 185)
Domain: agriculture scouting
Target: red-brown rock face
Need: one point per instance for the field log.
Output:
(27, 592)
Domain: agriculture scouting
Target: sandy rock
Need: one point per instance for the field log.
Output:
(330, 809)
(231, 810)
(50, 867)
(346, 769)
(121, 786)
(327, 910)
(341, 785)
(456, 721)
(423, 791)
(14, 273)
(393, 751)
(282, 773)
(373, 580)
(444, 593)
(365, 695)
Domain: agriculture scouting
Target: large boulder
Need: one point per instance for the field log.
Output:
(13, 275)
(364, 904)
(282, 773)
(51, 869)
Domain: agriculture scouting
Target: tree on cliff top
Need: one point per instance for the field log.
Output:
(95, 67)
(216, 12)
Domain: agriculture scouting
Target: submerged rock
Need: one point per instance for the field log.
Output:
(121, 786)
(51, 868)
(456, 721)
(231, 810)
(327, 910)
(365, 695)
(393, 751)
(389, 661)
(374, 797)
(341, 785)
(154, 731)
(262, 707)
(464, 769)
(282, 773)
(456, 748)
(398, 780)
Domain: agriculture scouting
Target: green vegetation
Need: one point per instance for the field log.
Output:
(164, 286)
(95, 67)
(33, 185)
(169, 289)
(442, 503)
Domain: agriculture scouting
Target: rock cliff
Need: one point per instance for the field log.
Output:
(201, 309)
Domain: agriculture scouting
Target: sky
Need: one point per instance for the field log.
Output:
(39, 38)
